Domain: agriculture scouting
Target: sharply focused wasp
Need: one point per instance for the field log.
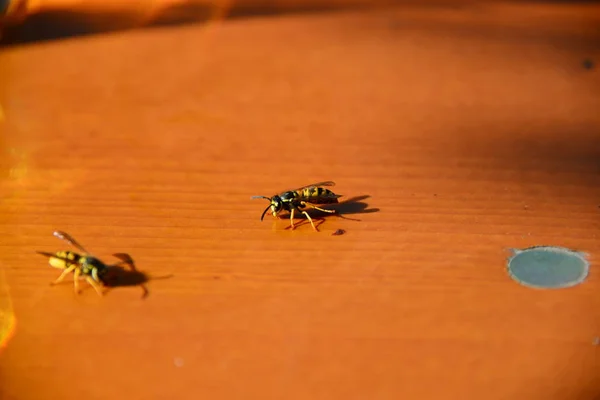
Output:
(301, 198)
(84, 265)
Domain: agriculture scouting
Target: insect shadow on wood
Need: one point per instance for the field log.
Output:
(354, 205)
(117, 275)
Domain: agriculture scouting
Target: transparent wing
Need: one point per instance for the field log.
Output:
(67, 238)
(326, 183)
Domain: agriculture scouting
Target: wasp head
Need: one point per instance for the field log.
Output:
(276, 205)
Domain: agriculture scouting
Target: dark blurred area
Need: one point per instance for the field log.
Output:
(57, 23)
(54, 22)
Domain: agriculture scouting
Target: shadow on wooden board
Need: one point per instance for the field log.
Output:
(118, 276)
(61, 23)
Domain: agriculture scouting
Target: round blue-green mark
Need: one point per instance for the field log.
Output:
(548, 267)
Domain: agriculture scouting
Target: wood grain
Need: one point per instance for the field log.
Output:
(456, 134)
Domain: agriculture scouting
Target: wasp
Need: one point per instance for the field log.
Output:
(297, 200)
(82, 265)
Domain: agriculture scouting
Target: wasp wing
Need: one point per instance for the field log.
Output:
(326, 183)
(69, 239)
(322, 184)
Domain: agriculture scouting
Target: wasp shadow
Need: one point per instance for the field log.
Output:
(355, 205)
(117, 275)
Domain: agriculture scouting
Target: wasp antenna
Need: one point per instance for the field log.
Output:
(45, 254)
(261, 197)
(264, 212)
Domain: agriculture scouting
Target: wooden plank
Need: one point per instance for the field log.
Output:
(456, 134)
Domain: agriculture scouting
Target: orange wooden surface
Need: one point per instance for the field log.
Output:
(472, 130)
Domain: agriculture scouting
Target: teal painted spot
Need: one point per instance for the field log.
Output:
(548, 267)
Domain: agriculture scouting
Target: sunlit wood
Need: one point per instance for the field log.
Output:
(454, 134)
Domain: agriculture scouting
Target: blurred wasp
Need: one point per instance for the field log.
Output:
(301, 198)
(84, 265)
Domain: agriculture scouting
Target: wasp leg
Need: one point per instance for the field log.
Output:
(63, 274)
(311, 221)
(76, 281)
(318, 208)
(94, 285)
(292, 218)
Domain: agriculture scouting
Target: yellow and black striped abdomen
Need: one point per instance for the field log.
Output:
(318, 195)
(62, 259)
